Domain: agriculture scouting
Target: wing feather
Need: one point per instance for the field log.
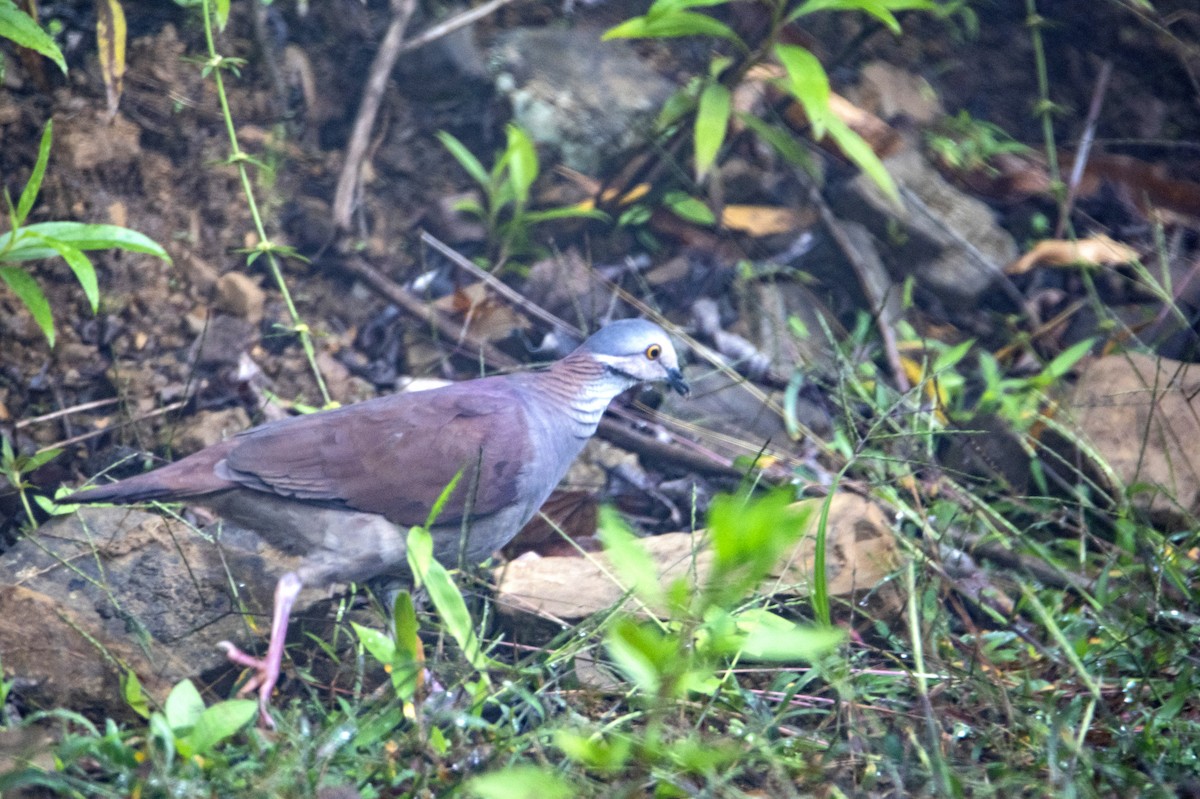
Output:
(396, 454)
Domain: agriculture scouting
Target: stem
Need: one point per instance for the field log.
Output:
(239, 160)
(1045, 108)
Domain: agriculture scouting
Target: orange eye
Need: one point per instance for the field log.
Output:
(653, 351)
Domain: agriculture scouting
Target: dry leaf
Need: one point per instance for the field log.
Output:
(110, 41)
(1096, 251)
(487, 317)
(762, 220)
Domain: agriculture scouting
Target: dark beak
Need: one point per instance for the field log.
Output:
(675, 380)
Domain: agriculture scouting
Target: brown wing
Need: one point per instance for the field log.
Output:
(395, 455)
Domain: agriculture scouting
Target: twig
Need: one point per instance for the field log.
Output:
(92, 434)
(47, 417)
(397, 294)
(1085, 147)
(497, 285)
(451, 25)
(356, 149)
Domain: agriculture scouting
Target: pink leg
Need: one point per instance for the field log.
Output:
(267, 669)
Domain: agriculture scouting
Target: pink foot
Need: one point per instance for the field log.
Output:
(266, 669)
(263, 679)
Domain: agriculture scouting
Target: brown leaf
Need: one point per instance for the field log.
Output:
(762, 220)
(110, 41)
(572, 511)
(1096, 251)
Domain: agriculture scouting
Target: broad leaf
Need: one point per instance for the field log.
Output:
(85, 273)
(80, 235)
(28, 292)
(808, 83)
(672, 24)
(216, 724)
(183, 707)
(712, 121)
(21, 28)
(521, 158)
(633, 565)
(521, 782)
(774, 638)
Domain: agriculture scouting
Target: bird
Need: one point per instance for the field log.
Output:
(340, 488)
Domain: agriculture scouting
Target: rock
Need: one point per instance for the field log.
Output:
(890, 92)
(572, 91)
(1141, 414)
(88, 596)
(949, 241)
(239, 295)
(861, 553)
(221, 341)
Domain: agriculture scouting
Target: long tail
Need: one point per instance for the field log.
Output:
(189, 477)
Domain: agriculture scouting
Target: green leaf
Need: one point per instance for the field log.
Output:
(855, 148)
(605, 753)
(82, 236)
(433, 577)
(216, 724)
(880, 9)
(950, 358)
(689, 208)
(521, 782)
(672, 24)
(419, 551)
(675, 108)
(376, 643)
(633, 565)
(748, 538)
(1065, 360)
(30, 192)
(28, 292)
(773, 638)
(521, 158)
(712, 121)
(466, 159)
(404, 621)
(808, 83)
(442, 499)
(85, 273)
(783, 141)
(21, 28)
(640, 652)
(135, 697)
(184, 707)
(408, 655)
(551, 214)
(222, 10)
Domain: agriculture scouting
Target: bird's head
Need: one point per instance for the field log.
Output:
(638, 350)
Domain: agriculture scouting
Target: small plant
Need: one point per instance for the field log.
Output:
(708, 101)
(187, 728)
(68, 240)
(505, 207)
(23, 30)
(965, 144)
(706, 627)
(16, 467)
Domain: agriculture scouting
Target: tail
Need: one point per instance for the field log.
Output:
(142, 488)
(193, 476)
